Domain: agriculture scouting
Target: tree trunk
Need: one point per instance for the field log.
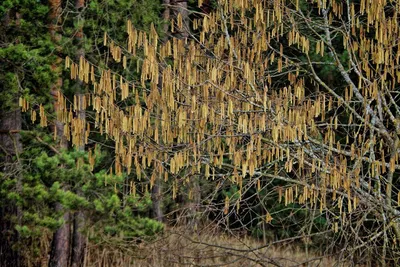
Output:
(10, 148)
(10, 143)
(60, 252)
(78, 239)
(78, 245)
(156, 192)
(61, 242)
(156, 197)
(181, 7)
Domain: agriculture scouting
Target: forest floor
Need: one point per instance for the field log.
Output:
(181, 247)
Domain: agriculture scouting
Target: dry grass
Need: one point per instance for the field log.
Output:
(179, 247)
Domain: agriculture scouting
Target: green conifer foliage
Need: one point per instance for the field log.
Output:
(49, 175)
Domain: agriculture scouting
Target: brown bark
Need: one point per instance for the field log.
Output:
(61, 242)
(79, 242)
(206, 7)
(60, 252)
(78, 239)
(10, 148)
(10, 139)
(10, 143)
(156, 197)
(166, 16)
(156, 192)
(181, 7)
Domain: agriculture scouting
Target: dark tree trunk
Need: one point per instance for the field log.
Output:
(156, 197)
(60, 252)
(78, 245)
(61, 242)
(181, 7)
(10, 148)
(206, 7)
(193, 204)
(78, 239)
(10, 144)
(156, 192)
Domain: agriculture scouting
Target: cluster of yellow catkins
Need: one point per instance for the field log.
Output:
(195, 99)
